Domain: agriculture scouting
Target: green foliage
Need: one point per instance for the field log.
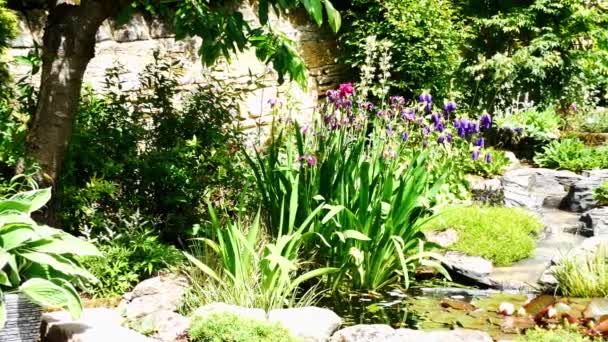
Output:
(502, 235)
(423, 34)
(539, 125)
(37, 260)
(551, 50)
(136, 254)
(226, 327)
(572, 154)
(141, 152)
(559, 334)
(584, 275)
(480, 167)
(600, 193)
(592, 121)
(250, 272)
(8, 30)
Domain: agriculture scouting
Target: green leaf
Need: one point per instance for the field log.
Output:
(314, 9)
(333, 16)
(46, 293)
(36, 199)
(13, 206)
(333, 211)
(16, 235)
(204, 268)
(58, 263)
(65, 244)
(356, 235)
(73, 303)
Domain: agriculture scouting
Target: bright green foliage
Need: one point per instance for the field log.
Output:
(8, 30)
(502, 235)
(135, 254)
(600, 194)
(558, 334)
(553, 50)
(251, 272)
(592, 122)
(480, 167)
(584, 275)
(380, 190)
(426, 41)
(155, 157)
(572, 154)
(536, 124)
(39, 261)
(226, 327)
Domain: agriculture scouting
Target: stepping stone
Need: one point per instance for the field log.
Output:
(95, 325)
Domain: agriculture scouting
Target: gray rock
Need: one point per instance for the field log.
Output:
(533, 187)
(547, 279)
(474, 268)
(364, 333)
(515, 163)
(104, 32)
(24, 38)
(588, 245)
(135, 29)
(580, 196)
(95, 325)
(457, 335)
(240, 311)
(162, 293)
(307, 324)
(595, 222)
(169, 326)
(443, 238)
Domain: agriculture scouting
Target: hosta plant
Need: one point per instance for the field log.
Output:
(38, 261)
(600, 193)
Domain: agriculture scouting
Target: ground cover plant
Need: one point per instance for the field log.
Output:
(555, 335)
(233, 328)
(600, 193)
(572, 154)
(502, 235)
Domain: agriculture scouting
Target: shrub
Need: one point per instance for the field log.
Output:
(136, 254)
(502, 235)
(584, 275)
(600, 194)
(592, 122)
(536, 124)
(226, 327)
(140, 151)
(427, 30)
(8, 30)
(558, 334)
(572, 154)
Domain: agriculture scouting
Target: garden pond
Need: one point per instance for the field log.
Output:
(450, 308)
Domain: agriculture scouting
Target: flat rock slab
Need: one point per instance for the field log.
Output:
(384, 333)
(473, 268)
(95, 325)
(525, 274)
(307, 324)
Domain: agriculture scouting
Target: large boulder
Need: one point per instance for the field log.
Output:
(364, 333)
(472, 268)
(162, 293)
(580, 197)
(457, 335)
(209, 309)
(534, 188)
(95, 325)
(307, 324)
(595, 222)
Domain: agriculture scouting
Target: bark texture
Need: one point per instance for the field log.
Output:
(68, 46)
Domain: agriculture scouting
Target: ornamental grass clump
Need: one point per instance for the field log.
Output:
(380, 168)
(584, 275)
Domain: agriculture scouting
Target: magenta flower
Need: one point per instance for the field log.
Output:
(346, 89)
(310, 160)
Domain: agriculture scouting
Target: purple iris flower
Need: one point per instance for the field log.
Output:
(429, 106)
(488, 158)
(475, 155)
(480, 142)
(381, 113)
(367, 106)
(397, 101)
(310, 160)
(439, 127)
(435, 118)
(485, 121)
(441, 138)
(450, 137)
(404, 136)
(333, 95)
(426, 130)
(344, 103)
(389, 130)
(450, 106)
(425, 97)
(457, 123)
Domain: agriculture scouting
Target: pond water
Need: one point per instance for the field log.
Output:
(431, 309)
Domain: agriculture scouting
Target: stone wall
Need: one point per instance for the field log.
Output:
(133, 44)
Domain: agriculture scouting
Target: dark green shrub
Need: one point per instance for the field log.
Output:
(502, 235)
(143, 152)
(426, 37)
(128, 258)
(226, 327)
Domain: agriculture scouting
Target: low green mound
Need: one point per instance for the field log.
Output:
(226, 327)
(555, 335)
(502, 235)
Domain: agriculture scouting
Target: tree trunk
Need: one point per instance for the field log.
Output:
(68, 46)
